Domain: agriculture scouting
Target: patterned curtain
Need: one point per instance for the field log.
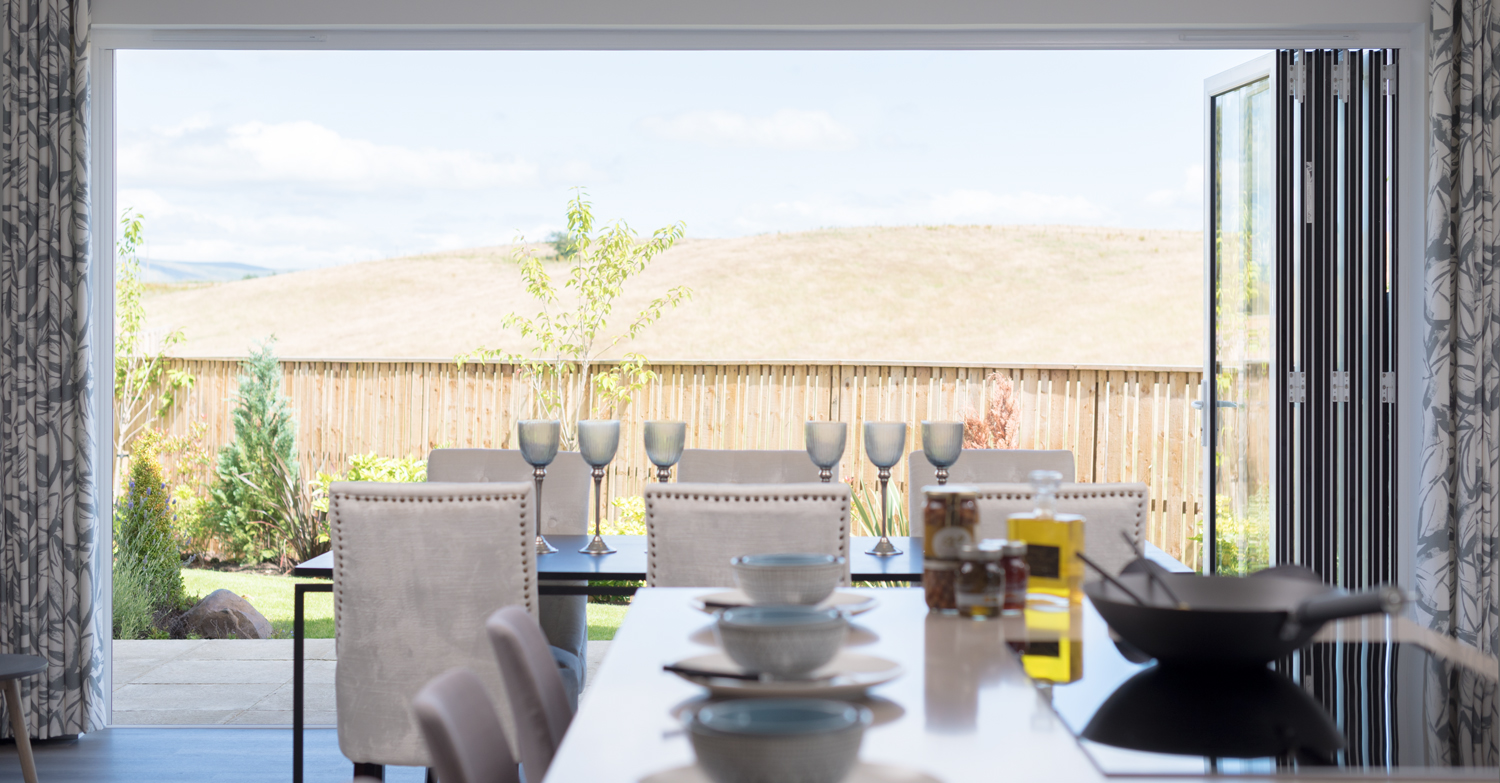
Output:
(49, 597)
(1458, 580)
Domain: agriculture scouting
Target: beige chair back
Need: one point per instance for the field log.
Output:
(538, 703)
(746, 466)
(462, 730)
(983, 466)
(1107, 510)
(694, 530)
(417, 569)
(565, 491)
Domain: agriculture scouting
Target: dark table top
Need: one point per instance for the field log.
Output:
(629, 563)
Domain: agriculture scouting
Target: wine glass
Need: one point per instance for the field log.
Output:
(539, 440)
(943, 443)
(884, 442)
(664, 442)
(598, 440)
(825, 445)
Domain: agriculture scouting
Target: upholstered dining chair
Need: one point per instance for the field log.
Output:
(539, 708)
(694, 530)
(746, 466)
(565, 497)
(1108, 510)
(983, 466)
(417, 568)
(463, 732)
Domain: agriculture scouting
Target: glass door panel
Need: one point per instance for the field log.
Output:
(1240, 257)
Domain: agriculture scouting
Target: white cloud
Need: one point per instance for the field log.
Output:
(1189, 194)
(785, 129)
(307, 153)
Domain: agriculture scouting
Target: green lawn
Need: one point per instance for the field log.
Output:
(272, 597)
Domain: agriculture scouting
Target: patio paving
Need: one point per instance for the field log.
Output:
(229, 682)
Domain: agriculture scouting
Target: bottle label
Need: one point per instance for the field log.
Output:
(1045, 562)
(947, 542)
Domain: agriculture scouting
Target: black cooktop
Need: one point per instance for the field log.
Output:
(1380, 709)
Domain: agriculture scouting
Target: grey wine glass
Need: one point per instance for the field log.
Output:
(884, 443)
(825, 445)
(539, 440)
(664, 442)
(942, 443)
(598, 440)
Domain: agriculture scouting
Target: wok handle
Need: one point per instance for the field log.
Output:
(1332, 607)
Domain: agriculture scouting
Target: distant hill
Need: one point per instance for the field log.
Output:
(202, 271)
(993, 294)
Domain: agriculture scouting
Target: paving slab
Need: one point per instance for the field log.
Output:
(189, 697)
(172, 717)
(214, 672)
(314, 718)
(154, 649)
(315, 696)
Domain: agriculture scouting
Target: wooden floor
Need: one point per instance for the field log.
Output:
(208, 754)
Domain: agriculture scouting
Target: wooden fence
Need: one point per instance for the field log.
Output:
(1123, 423)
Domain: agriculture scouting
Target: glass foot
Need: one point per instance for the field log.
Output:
(597, 547)
(884, 548)
(543, 547)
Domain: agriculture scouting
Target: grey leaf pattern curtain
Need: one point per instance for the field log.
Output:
(1458, 580)
(49, 595)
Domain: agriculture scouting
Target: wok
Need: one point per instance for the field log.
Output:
(1192, 620)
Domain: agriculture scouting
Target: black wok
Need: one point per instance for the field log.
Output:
(1187, 619)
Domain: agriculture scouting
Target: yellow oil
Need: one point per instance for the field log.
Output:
(1052, 543)
(1053, 650)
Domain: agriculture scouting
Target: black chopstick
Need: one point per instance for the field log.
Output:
(1152, 575)
(1108, 578)
(690, 672)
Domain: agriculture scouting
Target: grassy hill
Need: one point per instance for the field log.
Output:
(994, 294)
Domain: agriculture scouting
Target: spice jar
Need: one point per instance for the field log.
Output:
(950, 519)
(1017, 574)
(980, 589)
(938, 585)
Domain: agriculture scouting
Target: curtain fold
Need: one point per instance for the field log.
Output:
(1457, 578)
(49, 594)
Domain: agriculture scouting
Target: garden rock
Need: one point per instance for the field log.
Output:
(224, 615)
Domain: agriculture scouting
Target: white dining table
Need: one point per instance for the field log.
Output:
(963, 709)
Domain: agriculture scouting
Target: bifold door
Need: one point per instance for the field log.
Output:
(1299, 405)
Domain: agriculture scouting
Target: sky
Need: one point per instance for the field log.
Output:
(296, 160)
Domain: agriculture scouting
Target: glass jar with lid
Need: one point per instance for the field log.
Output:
(980, 587)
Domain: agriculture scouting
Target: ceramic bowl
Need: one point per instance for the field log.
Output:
(782, 641)
(777, 740)
(791, 578)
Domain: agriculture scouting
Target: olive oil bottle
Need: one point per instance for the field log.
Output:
(1052, 541)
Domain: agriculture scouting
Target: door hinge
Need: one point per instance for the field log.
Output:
(1388, 78)
(1296, 387)
(1307, 192)
(1388, 388)
(1341, 79)
(1339, 390)
(1299, 78)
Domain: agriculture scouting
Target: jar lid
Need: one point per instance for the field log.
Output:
(1015, 548)
(952, 490)
(988, 549)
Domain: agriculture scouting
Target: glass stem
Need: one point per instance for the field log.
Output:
(885, 514)
(598, 477)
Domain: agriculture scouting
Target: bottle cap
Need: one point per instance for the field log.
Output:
(1015, 548)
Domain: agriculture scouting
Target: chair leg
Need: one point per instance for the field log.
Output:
(18, 728)
(376, 771)
(431, 778)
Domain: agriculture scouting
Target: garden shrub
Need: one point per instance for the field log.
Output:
(247, 503)
(369, 467)
(147, 565)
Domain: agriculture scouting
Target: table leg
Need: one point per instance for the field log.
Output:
(18, 728)
(299, 590)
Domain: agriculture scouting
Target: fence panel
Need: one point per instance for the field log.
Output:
(1123, 423)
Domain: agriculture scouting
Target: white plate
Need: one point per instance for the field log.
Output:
(863, 772)
(848, 603)
(858, 636)
(848, 675)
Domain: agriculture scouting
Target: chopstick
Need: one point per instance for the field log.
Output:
(1110, 579)
(1153, 576)
(691, 672)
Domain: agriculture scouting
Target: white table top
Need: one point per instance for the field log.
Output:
(965, 708)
